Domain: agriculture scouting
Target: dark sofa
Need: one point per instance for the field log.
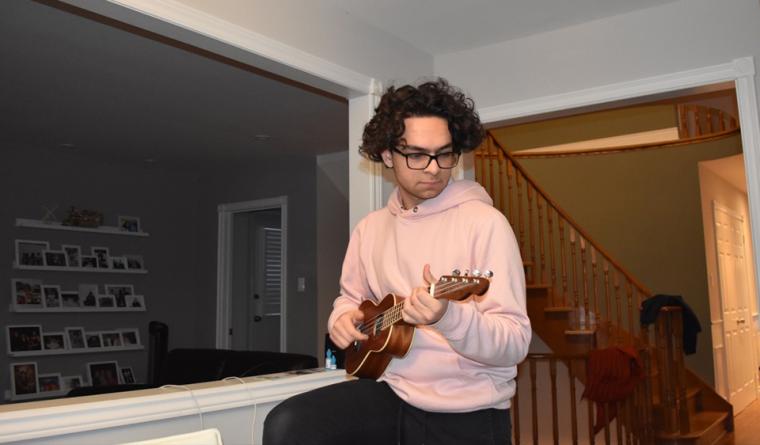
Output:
(194, 365)
(184, 366)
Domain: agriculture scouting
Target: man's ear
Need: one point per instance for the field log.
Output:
(387, 158)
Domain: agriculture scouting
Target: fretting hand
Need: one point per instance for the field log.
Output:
(421, 308)
(344, 330)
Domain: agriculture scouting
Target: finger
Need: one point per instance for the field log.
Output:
(427, 275)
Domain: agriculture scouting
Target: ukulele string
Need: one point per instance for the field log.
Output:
(368, 325)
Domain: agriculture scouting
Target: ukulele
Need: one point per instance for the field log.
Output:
(389, 336)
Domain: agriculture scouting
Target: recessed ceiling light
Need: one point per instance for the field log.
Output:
(262, 137)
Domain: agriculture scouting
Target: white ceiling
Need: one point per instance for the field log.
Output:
(444, 26)
(65, 79)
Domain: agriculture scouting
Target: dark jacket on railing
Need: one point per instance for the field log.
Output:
(650, 309)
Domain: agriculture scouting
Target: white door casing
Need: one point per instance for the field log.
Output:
(224, 263)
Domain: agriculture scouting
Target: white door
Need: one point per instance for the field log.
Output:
(735, 297)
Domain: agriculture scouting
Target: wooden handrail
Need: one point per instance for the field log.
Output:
(643, 289)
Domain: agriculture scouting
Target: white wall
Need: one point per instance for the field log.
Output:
(674, 37)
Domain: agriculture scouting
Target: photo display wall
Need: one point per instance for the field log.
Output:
(34, 290)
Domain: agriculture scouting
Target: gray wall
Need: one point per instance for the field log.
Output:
(293, 177)
(165, 203)
(180, 213)
(332, 235)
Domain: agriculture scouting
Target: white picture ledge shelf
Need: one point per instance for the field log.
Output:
(76, 351)
(13, 308)
(54, 225)
(36, 396)
(80, 269)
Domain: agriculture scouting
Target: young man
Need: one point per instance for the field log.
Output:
(455, 384)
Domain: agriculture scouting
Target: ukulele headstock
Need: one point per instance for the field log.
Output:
(459, 286)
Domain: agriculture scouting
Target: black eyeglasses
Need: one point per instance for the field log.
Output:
(420, 161)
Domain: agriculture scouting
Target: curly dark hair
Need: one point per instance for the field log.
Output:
(434, 98)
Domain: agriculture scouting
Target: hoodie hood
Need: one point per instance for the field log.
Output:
(455, 193)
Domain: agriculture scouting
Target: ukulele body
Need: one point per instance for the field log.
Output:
(369, 358)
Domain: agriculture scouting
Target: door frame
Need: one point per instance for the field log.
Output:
(226, 213)
(739, 71)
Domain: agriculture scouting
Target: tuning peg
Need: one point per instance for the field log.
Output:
(476, 272)
(467, 272)
(488, 274)
(456, 272)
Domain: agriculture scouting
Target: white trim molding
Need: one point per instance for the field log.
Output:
(226, 213)
(740, 71)
(199, 22)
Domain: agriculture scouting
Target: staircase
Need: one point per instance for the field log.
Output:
(579, 298)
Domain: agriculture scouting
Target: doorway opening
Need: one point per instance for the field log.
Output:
(251, 275)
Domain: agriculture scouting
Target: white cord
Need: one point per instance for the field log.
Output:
(195, 400)
(253, 402)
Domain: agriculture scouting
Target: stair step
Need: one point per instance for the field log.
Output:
(706, 428)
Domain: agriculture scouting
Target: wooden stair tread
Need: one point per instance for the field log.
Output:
(700, 424)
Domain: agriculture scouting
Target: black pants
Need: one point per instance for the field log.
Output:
(367, 412)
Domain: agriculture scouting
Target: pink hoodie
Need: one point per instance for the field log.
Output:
(467, 360)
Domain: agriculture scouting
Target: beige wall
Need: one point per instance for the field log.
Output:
(644, 208)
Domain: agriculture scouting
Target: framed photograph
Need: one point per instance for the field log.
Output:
(101, 254)
(90, 299)
(24, 338)
(73, 255)
(93, 339)
(69, 382)
(55, 258)
(135, 262)
(103, 373)
(24, 378)
(87, 294)
(49, 382)
(118, 262)
(52, 296)
(53, 341)
(75, 337)
(27, 293)
(89, 261)
(120, 291)
(70, 299)
(106, 301)
(135, 301)
(127, 375)
(130, 337)
(129, 223)
(31, 253)
(111, 339)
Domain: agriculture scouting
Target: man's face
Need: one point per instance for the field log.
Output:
(423, 135)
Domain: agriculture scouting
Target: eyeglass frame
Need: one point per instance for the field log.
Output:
(429, 156)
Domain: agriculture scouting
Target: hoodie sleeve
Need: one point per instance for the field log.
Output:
(353, 279)
(492, 329)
